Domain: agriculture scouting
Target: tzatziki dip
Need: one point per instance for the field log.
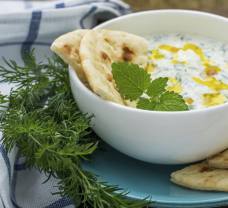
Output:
(197, 67)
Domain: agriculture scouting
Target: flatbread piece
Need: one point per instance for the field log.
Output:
(201, 177)
(219, 161)
(99, 49)
(67, 47)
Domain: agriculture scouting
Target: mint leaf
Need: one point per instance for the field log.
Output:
(131, 80)
(146, 104)
(157, 86)
(171, 101)
(168, 101)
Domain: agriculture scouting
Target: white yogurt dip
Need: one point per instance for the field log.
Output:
(197, 67)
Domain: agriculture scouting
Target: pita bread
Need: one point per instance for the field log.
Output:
(202, 177)
(99, 49)
(219, 161)
(67, 47)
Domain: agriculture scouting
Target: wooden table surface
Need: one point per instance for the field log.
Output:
(214, 6)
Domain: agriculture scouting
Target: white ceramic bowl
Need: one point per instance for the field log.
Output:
(160, 137)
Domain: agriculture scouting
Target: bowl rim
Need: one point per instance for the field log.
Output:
(164, 11)
(88, 92)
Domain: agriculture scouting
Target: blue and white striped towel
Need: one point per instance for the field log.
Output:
(25, 25)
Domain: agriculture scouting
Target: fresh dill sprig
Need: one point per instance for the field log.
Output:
(43, 120)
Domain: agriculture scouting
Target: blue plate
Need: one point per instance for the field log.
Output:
(144, 179)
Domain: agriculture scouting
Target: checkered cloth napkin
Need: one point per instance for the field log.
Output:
(25, 25)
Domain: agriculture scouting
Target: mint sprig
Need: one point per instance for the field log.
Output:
(134, 83)
(130, 79)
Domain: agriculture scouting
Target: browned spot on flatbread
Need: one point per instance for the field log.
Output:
(105, 56)
(107, 40)
(67, 48)
(76, 50)
(204, 169)
(127, 54)
(109, 77)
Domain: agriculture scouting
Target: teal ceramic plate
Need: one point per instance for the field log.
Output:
(144, 179)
